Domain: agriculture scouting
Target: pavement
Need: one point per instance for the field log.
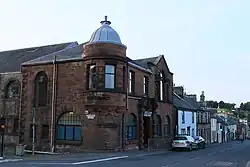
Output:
(232, 154)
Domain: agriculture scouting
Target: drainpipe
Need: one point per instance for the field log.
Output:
(19, 113)
(52, 138)
(123, 115)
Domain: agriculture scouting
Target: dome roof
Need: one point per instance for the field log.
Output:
(105, 34)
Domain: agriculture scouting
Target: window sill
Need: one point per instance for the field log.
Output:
(69, 142)
(105, 90)
(132, 141)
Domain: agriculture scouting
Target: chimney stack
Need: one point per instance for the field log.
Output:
(179, 90)
(192, 96)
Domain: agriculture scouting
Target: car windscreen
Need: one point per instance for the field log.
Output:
(180, 138)
(196, 138)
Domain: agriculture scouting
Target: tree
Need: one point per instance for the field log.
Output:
(221, 104)
(245, 106)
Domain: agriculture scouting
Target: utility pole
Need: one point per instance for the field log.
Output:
(33, 129)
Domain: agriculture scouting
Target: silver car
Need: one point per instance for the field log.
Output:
(184, 142)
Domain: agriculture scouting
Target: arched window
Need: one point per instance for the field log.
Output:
(167, 126)
(131, 127)
(41, 89)
(69, 127)
(12, 89)
(158, 126)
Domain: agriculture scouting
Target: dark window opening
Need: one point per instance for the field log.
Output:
(16, 125)
(131, 126)
(12, 89)
(41, 88)
(145, 85)
(91, 77)
(45, 132)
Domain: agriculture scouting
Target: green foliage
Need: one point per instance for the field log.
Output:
(221, 104)
(245, 106)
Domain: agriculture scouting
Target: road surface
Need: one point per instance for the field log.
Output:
(232, 154)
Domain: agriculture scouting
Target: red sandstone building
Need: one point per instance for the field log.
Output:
(92, 96)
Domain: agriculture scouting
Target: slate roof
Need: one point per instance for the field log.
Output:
(10, 61)
(220, 119)
(181, 103)
(144, 62)
(192, 102)
(72, 52)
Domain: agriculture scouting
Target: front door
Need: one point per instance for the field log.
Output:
(188, 130)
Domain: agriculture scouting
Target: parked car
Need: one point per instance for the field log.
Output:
(184, 142)
(200, 141)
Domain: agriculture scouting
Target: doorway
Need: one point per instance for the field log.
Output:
(146, 130)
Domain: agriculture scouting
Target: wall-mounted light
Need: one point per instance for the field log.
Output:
(71, 112)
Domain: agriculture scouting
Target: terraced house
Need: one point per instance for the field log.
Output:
(203, 115)
(186, 113)
(92, 96)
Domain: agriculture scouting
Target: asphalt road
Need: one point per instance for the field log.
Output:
(233, 154)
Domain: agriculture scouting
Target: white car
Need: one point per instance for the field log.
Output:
(184, 142)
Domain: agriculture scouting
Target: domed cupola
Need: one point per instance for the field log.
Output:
(105, 40)
(105, 34)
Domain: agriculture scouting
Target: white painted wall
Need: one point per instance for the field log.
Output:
(213, 130)
(188, 122)
(219, 132)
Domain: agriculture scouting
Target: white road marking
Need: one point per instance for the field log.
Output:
(222, 150)
(194, 158)
(10, 160)
(99, 160)
(147, 154)
(48, 163)
(212, 153)
(248, 164)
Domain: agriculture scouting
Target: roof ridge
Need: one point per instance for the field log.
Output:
(146, 58)
(184, 100)
(35, 47)
(50, 54)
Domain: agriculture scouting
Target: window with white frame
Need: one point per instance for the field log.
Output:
(131, 81)
(161, 87)
(145, 85)
(110, 76)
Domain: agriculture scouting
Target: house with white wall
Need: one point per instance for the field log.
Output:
(186, 114)
(220, 128)
(213, 130)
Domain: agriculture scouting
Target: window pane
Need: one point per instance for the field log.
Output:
(69, 132)
(109, 81)
(134, 132)
(78, 134)
(60, 133)
(110, 69)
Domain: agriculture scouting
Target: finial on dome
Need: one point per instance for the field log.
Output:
(106, 21)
